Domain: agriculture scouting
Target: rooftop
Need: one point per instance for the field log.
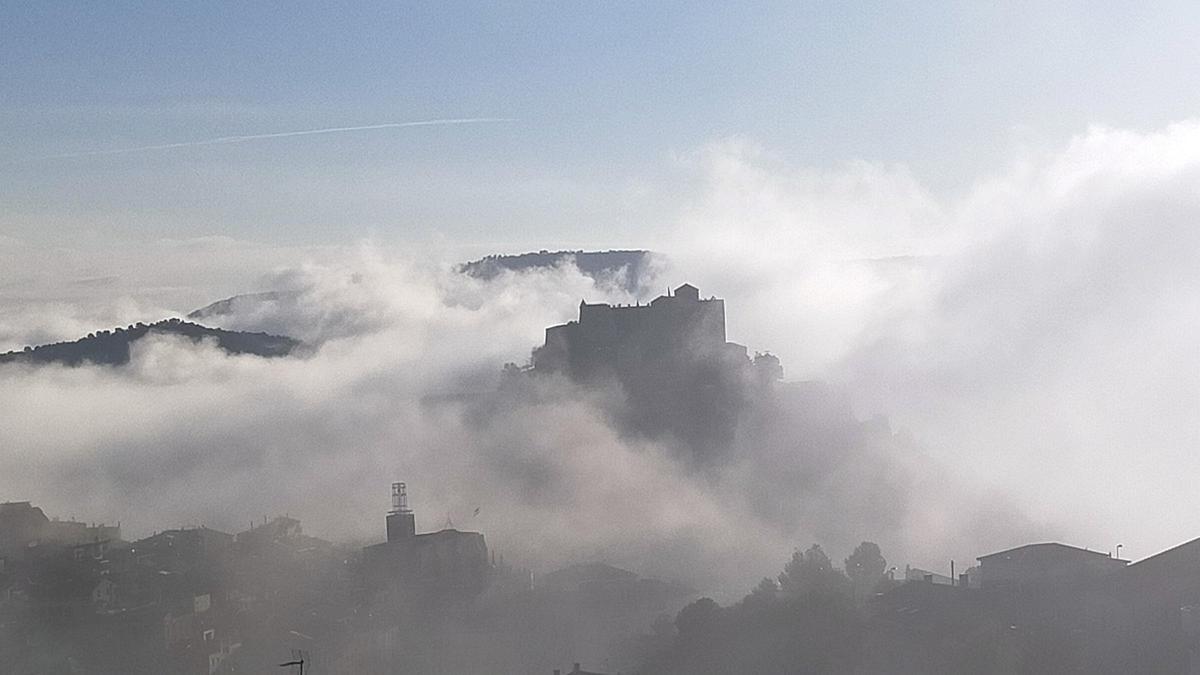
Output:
(1027, 549)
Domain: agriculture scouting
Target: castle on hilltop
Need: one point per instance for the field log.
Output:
(622, 338)
(681, 380)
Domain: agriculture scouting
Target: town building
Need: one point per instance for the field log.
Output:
(26, 532)
(1044, 565)
(447, 561)
(1146, 617)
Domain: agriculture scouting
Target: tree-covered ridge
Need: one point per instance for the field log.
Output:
(111, 347)
(630, 268)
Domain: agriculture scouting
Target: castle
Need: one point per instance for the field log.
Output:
(623, 338)
(682, 382)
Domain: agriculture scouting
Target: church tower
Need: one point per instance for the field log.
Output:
(401, 524)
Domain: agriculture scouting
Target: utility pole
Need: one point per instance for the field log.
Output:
(298, 657)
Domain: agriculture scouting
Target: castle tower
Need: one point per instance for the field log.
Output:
(401, 524)
(688, 292)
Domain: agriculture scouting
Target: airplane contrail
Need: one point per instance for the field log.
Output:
(281, 134)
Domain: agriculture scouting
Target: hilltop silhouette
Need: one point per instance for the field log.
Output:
(111, 347)
(629, 267)
(243, 301)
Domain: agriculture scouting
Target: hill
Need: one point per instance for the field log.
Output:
(246, 301)
(112, 347)
(629, 268)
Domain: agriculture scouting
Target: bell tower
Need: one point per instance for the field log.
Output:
(401, 524)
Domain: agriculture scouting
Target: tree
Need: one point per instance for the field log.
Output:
(763, 595)
(865, 568)
(811, 572)
(698, 619)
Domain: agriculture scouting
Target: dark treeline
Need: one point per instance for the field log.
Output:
(629, 269)
(111, 347)
(810, 618)
(816, 618)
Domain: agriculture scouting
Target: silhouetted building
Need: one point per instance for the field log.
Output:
(26, 532)
(1044, 565)
(608, 337)
(447, 560)
(401, 523)
(682, 379)
(278, 529)
(182, 550)
(922, 575)
(1146, 617)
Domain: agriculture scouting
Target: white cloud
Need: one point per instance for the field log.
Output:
(1039, 343)
(1046, 347)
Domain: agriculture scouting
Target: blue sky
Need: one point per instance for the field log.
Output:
(605, 96)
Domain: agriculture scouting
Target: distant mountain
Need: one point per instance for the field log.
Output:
(112, 347)
(629, 268)
(247, 301)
